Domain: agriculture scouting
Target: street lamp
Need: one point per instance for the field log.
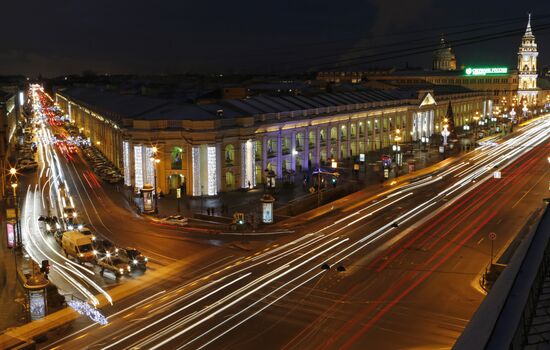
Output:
(424, 140)
(155, 161)
(476, 121)
(397, 149)
(18, 242)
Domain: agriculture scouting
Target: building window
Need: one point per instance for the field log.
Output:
(176, 158)
(229, 155)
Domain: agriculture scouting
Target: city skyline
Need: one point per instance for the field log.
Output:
(292, 175)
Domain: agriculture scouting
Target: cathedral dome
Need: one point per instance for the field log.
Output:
(443, 57)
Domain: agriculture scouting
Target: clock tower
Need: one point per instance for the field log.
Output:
(527, 67)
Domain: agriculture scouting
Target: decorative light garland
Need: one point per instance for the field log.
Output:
(87, 310)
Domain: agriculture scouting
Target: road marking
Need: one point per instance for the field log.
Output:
(536, 183)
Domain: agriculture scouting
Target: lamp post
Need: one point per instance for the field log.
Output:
(476, 121)
(155, 161)
(18, 242)
(397, 150)
(512, 119)
(424, 140)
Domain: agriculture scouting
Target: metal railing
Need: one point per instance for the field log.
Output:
(504, 318)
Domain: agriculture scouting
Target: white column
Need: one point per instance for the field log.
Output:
(196, 170)
(306, 149)
(248, 171)
(318, 147)
(292, 149)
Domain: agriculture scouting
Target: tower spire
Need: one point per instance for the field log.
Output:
(528, 31)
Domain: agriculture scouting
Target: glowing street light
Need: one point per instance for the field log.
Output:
(155, 161)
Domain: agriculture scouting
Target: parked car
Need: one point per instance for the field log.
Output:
(27, 164)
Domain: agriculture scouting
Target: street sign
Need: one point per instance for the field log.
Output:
(492, 236)
(178, 193)
(362, 157)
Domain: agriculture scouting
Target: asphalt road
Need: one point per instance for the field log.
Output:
(411, 264)
(106, 212)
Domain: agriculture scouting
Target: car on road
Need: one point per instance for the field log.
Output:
(134, 258)
(87, 232)
(69, 213)
(27, 164)
(114, 264)
(58, 235)
(104, 248)
(78, 246)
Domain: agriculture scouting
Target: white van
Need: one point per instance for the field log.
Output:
(78, 245)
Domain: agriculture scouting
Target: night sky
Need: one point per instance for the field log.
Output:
(163, 37)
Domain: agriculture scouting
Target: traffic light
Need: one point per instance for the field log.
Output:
(333, 181)
(45, 268)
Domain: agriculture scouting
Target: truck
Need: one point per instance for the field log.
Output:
(77, 245)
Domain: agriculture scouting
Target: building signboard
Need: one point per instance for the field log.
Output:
(476, 71)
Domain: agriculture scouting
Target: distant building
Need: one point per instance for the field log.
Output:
(444, 58)
(527, 67)
(8, 125)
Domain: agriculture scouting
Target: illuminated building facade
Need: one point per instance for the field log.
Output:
(205, 149)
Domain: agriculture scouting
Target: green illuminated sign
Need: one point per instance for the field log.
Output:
(471, 71)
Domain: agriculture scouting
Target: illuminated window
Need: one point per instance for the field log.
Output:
(149, 166)
(126, 161)
(138, 167)
(196, 159)
(176, 158)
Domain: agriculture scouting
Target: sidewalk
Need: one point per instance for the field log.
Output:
(12, 296)
(248, 201)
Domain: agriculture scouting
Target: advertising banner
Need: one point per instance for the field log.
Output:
(37, 305)
(10, 232)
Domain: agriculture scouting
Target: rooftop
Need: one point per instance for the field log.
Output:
(118, 106)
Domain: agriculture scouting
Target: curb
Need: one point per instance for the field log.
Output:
(256, 233)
